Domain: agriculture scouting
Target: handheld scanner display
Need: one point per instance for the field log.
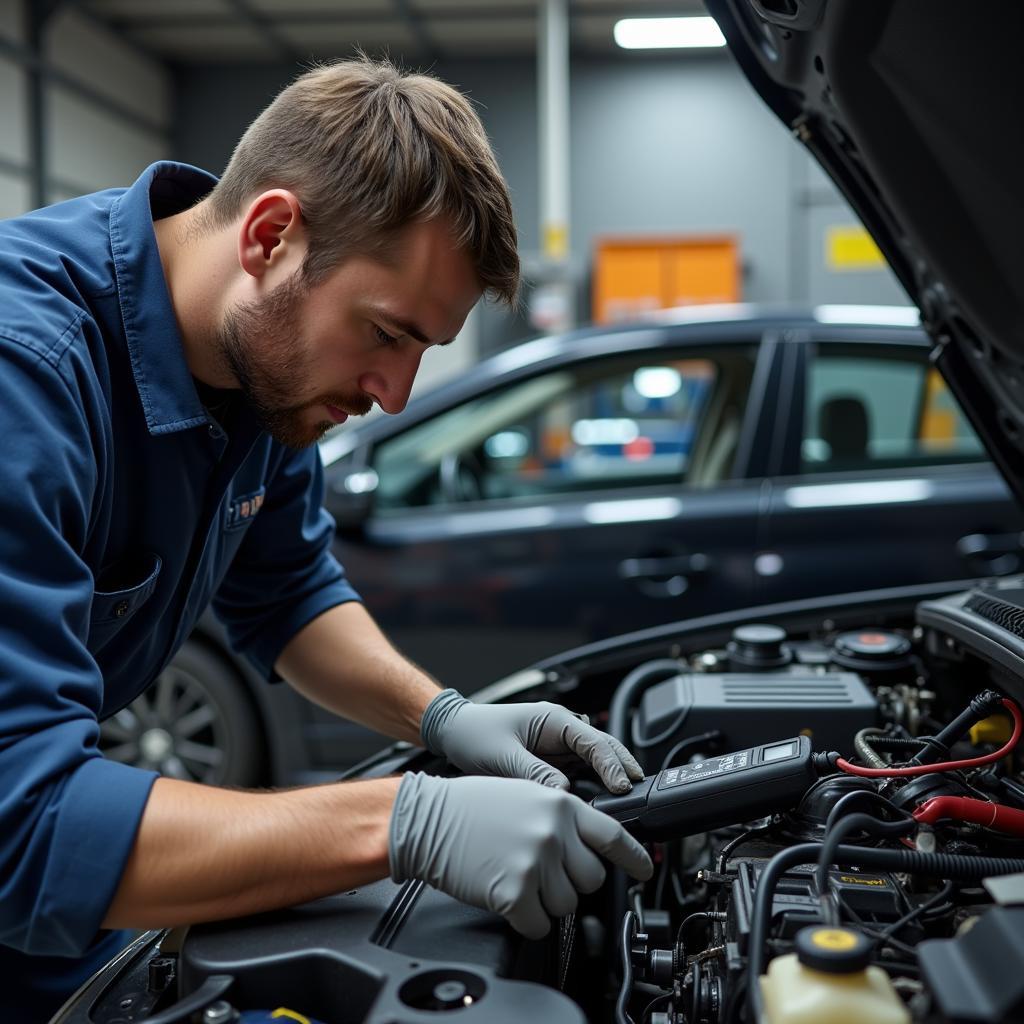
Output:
(720, 791)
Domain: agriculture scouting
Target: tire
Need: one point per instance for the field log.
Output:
(196, 722)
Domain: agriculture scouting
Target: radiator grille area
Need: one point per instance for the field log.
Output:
(1005, 615)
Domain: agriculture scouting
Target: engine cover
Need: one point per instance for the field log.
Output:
(753, 708)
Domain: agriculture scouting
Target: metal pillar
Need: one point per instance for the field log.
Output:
(37, 14)
(553, 306)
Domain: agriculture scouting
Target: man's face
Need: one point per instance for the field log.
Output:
(308, 358)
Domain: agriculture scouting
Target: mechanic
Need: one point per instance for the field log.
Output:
(171, 352)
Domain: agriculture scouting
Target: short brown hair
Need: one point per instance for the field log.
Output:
(369, 149)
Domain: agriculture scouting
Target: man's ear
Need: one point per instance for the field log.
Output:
(272, 234)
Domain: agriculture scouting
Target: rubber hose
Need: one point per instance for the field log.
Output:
(984, 704)
(625, 696)
(845, 827)
(899, 743)
(630, 688)
(629, 924)
(865, 751)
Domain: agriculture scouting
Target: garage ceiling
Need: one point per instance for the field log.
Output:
(201, 31)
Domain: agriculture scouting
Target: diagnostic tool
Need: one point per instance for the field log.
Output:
(720, 791)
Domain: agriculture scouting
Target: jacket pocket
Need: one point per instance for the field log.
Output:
(117, 598)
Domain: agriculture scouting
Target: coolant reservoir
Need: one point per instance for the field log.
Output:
(828, 980)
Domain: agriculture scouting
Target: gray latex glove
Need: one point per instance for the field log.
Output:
(521, 741)
(506, 845)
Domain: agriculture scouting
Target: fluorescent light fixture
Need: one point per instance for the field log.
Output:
(663, 33)
(632, 511)
(882, 492)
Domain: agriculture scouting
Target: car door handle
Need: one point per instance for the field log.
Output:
(671, 565)
(667, 576)
(992, 554)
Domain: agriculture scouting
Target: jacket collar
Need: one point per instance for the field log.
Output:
(168, 393)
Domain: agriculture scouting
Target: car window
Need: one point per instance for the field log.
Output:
(867, 409)
(618, 423)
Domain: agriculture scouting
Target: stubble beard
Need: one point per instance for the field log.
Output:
(258, 345)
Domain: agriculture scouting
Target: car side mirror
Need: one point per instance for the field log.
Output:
(350, 497)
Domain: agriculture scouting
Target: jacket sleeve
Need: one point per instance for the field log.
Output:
(283, 575)
(68, 817)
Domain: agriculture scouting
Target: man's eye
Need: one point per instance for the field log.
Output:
(384, 337)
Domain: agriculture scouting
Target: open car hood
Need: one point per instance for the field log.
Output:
(912, 108)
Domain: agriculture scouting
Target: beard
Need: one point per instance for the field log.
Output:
(258, 344)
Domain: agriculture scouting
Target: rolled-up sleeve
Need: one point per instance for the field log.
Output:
(283, 575)
(68, 818)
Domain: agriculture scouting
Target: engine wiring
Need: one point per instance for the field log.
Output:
(845, 824)
(942, 766)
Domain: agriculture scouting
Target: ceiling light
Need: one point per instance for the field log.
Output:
(661, 33)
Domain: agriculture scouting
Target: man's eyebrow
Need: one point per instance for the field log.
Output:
(406, 327)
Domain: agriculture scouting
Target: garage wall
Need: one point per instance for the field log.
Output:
(108, 109)
(665, 145)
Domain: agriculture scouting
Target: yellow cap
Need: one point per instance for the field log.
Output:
(833, 950)
(995, 729)
(834, 938)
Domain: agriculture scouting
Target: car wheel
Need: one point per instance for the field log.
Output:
(195, 722)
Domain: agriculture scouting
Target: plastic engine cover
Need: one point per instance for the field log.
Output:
(381, 954)
(753, 708)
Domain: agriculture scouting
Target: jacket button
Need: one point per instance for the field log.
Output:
(121, 609)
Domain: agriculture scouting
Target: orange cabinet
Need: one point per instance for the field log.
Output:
(635, 275)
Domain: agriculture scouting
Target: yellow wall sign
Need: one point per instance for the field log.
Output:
(556, 241)
(850, 247)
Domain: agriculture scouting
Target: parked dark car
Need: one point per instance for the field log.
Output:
(912, 107)
(576, 487)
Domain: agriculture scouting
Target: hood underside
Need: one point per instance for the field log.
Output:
(913, 109)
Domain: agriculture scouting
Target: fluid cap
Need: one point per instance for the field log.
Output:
(759, 646)
(833, 950)
(872, 650)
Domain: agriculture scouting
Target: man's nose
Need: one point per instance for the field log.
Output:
(392, 384)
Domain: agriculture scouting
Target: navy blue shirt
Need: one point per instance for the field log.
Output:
(125, 509)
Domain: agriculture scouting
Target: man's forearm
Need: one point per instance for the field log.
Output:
(343, 662)
(203, 854)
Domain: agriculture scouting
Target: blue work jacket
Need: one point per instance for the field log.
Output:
(125, 509)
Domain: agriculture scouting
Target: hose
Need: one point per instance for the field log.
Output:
(629, 926)
(837, 833)
(936, 865)
(625, 696)
(980, 707)
(859, 796)
(630, 688)
(979, 812)
(864, 749)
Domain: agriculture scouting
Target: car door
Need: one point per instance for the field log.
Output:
(585, 499)
(882, 481)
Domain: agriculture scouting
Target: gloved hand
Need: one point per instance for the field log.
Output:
(507, 845)
(512, 740)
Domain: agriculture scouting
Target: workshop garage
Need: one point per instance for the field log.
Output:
(650, 653)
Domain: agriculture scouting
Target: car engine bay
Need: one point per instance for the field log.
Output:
(835, 809)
